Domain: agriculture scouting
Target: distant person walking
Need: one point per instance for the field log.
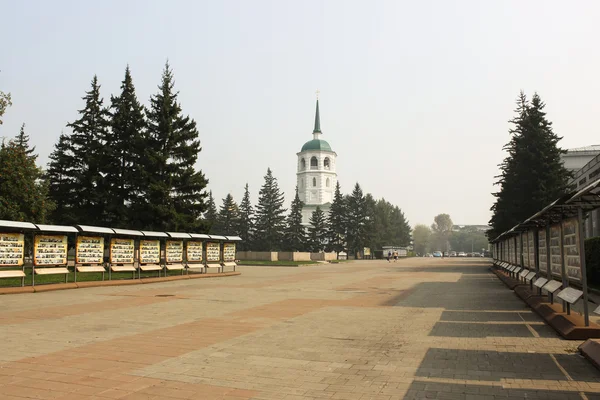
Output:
(389, 255)
(395, 255)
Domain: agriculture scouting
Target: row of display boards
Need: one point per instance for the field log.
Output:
(99, 249)
(548, 249)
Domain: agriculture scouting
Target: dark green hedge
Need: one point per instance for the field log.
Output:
(592, 260)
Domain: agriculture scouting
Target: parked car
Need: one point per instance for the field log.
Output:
(462, 254)
(452, 254)
(445, 254)
(437, 253)
(476, 255)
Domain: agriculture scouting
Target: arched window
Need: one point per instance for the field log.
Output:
(314, 182)
(326, 163)
(314, 163)
(303, 164)
(327, 182)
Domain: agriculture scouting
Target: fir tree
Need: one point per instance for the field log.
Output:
(23, 194)
(356, 223)
(317, 231)
(61, 178)
(22, 140)
(124, 156)
(295, 232)
(174, 192)
(532, 175)
(246, 221)
(336, 232)
(270, 215)
(228, 217)
(210, 217)
(87, 144)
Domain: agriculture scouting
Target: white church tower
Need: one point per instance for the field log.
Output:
(316, 176)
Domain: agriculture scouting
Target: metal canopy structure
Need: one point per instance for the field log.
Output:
(179, 235)
(94, 229)
(234, 238)
(218, 237)
(199, 236)
(155, 234)
(57, 228)
(127, 232)
(17, 225)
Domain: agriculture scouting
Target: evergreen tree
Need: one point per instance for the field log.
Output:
(22, 140)
(5, 102)
(371, 227)
(270, 215)
(336, 232)
(210, 216)
(356, 223)
(23, 194)
(228, 217)
(317, 231)
(87, 144)
(246, 221)
(61, 178)
(532, 175)
(174, 196)
(295, 232)
(123, 156)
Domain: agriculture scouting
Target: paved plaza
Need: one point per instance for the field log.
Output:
(418, 328)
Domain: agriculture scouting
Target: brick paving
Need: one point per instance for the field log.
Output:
(418, 328)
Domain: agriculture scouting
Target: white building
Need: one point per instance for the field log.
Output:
(316, 176)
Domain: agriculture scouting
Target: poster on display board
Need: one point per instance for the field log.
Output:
(194, 252)
(213, 252)
(531, 249)
(174, 251)
(149, 251)
(511, 251)
(89, 250)
(121, 251)
(555, 256)
(50, 250)
(543, 252)
(229, 252)
(525, 249)
(571, 248)
(11, 249)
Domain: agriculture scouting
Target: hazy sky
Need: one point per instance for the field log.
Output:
(415, 95)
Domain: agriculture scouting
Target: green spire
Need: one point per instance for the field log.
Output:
(317, 120)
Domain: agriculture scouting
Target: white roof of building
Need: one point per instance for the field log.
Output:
(592, 147)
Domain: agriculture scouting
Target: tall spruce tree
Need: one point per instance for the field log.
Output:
(22, 140)
(123, 156)
(270, 215)
(295, 232)
(336, 232)
(61, 178)
(23, 192)
(317, 231)
(174, 196)
(532, 175)
(228, 217)
(211, 215)
(356, 223)
(87, 145)
(246, 221)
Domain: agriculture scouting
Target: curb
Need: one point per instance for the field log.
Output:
(87, 284)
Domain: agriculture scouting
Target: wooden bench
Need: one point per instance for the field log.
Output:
(151, 267)
(89, 268)
(175, 267)
(122, 268)
(217, 266)
(229, 264)
(51, 271)
(14, 273)
(195, 266)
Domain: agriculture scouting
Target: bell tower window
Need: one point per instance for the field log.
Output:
(314, 163)
(326, 163)
(314, 182)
